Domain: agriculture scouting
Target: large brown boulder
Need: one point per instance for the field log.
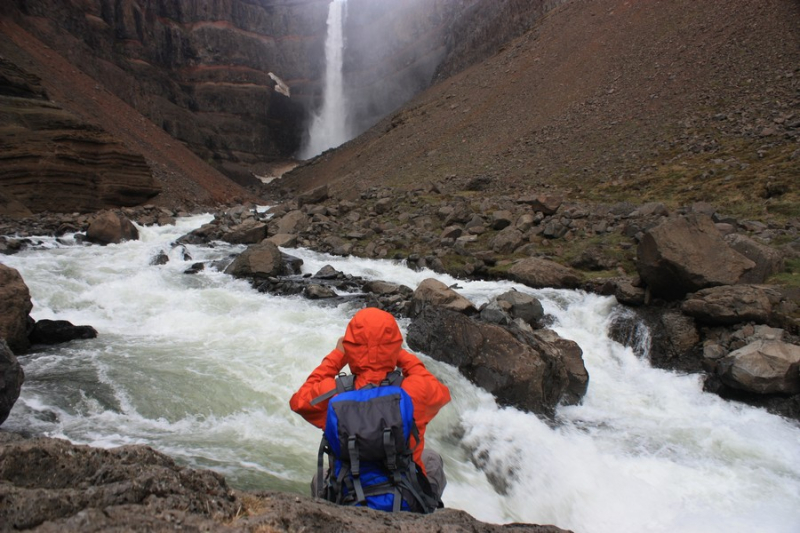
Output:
(262, 260)
(540, 273)
(765, 367)
(768, 260)
(531, 371)
(433, 292)
(11, 378)
(732, 304)
(687, 254)
(15, 305)
(109, 227)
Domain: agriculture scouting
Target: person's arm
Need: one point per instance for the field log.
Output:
(321, 380)
(420, 383)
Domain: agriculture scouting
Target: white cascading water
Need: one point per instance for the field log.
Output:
(328, 128)
(202, 366)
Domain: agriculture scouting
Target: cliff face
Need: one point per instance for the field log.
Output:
(89, 168)
(201, 70)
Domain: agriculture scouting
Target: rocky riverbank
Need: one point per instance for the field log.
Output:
(695, 277)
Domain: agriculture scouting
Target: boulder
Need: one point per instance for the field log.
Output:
(261, 260)
(58, 331)
(433, 292)
(507, 240)
(111, 228)
(251, 231)
(319, 292)
(768, 261)
(687, 254)
(314, 196)
(764, 367)
(292, 222)
(284, 240)
(547, 204)
(539, 273)
(15, 305)
(11, 378)
(524, 371)
(732, 304)
(523, 306)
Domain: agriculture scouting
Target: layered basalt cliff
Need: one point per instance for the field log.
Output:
(206, 72)
(88, 167)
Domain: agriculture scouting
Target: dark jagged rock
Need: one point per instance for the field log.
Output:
(57, 331)
(525, 370)
(11, 378)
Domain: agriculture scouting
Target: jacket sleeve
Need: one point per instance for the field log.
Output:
(429, 394)
(321, 380)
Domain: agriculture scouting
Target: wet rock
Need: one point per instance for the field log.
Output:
(160, 259)
(11, 379)
(434, 292)
(525, 371)
(111, 228)
(523, 306)
(319, 292)
(15, 306)
(539, 273)
(764, 367)
(261, 260)
(687, 254)
(57, 331)
(196, 268)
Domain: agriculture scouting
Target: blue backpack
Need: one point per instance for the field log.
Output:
(366, 439)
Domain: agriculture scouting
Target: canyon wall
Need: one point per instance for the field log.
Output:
(201, 70)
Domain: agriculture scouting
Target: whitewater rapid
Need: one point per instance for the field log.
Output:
(201, 367)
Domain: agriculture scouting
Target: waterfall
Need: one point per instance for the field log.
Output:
(329, 127)
(202, 367)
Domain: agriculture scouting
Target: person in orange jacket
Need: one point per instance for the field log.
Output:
(372, 347)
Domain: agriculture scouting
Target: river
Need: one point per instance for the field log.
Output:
(201, 367)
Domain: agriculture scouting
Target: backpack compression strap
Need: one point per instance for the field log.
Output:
(344, 383)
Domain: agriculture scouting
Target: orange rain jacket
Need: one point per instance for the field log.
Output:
(373, 348)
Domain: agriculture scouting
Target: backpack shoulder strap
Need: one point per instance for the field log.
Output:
(344, 383)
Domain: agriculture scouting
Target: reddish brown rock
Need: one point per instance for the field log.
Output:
(687, 254)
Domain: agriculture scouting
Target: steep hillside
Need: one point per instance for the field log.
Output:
(607, 100)
(76, 147)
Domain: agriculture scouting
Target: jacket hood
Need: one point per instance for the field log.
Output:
(372, 344)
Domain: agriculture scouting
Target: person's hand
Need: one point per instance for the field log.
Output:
(340, 344)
